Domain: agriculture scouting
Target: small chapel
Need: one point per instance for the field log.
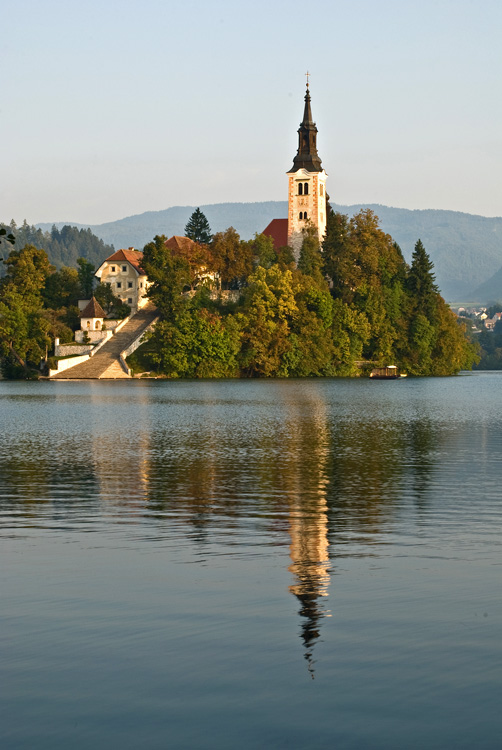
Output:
(306, 189)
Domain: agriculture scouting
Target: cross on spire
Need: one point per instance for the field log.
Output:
(308, 75)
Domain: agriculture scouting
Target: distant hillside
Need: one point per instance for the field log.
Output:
(489, 291)
(62, 245)
(466, 249)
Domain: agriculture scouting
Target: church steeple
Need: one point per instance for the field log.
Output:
(307, 184)
(307, 156)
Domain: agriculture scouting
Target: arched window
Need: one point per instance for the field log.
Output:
(306, 189)
(97, 325)
(300, 188)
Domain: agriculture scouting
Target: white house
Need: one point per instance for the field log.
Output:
(127, 278)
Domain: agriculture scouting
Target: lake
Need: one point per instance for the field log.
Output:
(251, 564)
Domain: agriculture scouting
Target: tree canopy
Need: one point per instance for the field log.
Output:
(347, 307)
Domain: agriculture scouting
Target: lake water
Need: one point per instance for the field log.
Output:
(251, 564)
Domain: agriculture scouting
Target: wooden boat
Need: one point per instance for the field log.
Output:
(390, 372)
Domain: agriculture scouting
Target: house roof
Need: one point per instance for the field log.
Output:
(278, 230)
(93, 310)
(180, 243)
(132, 256)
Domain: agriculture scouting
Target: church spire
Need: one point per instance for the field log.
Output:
(307, 156)
(306, 184)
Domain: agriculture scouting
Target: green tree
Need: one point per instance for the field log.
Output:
(264, 250)
(269, 306)
(62, 288)
(197, 228)
(86, 271)
(200, 261)
(310, 261)
(421, 282)
(233, 259)
(168, 274)
(197, 343)
(23, 330)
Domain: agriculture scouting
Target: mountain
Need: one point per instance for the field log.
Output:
(466, 249)
(489, 291)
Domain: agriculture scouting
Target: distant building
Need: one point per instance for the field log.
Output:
(127, 278)
(490, 323)
(306, 190)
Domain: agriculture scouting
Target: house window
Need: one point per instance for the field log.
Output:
(113, 269)
(119, 285)
(129, 300)
(300, 188)
(124, 268)
(141, 285)
(129, 284)
(306, 189)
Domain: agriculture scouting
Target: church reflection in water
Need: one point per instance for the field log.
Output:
(310, 476)
(308, 447)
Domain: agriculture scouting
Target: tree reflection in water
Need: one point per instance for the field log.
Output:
(287, 462)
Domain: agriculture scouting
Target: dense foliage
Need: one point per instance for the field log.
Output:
(39, 303)
(234, 308)
(63, 246)
(342, 309)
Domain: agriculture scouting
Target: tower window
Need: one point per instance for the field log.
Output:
(306, 189)
(301, 215)
(300, 188)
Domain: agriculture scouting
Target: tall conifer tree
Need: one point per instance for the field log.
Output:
(197, 228)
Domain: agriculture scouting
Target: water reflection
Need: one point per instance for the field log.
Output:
(226, 466)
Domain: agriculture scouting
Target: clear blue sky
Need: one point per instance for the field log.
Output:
(112, 108)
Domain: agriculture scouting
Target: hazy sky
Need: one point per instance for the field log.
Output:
(111, 108)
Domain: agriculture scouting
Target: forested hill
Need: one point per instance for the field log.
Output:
(63, 246)
(466, 249)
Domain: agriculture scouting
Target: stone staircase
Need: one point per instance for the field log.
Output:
(106, 362)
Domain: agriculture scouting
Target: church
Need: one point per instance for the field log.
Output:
(306, 189)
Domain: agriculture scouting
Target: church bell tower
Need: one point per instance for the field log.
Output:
(307, 184)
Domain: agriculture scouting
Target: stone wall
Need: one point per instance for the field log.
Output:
(67, 350)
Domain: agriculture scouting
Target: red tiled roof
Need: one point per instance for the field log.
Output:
(134, 257)
(278, 230)
(180, 243)
(93, 310)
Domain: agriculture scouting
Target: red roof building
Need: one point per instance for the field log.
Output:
(278, 230)
(123, 271)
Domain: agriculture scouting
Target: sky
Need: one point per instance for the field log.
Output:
(112, 108)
